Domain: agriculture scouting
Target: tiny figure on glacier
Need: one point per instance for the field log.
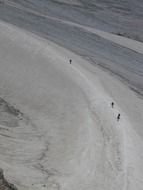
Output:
(118, 117)
(112, 104)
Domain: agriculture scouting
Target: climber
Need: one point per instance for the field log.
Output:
(118, 117)
(112, 104)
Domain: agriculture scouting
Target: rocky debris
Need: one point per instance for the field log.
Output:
(4, 185)
(9, 108)
(9, 115)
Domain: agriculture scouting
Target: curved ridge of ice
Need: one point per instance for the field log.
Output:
(72, 139)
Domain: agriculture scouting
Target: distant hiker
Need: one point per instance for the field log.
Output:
(112, 104)
(118, 117)
(70, 61)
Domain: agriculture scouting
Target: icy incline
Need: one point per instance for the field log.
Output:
(118, 39)
(66, 136)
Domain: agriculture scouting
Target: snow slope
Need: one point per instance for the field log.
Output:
(67, 136)
(124, 16)
(88, 42)
(118, 39)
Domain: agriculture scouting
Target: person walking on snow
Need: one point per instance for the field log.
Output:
(112, 104)
(118, 117)
(70, 61)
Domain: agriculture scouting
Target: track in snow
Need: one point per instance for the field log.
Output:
(68, 136)
(66, 141)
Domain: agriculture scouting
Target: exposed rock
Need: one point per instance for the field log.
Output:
(9, 115)
(4, 185)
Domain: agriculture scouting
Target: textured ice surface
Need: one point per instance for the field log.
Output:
(67, 135)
